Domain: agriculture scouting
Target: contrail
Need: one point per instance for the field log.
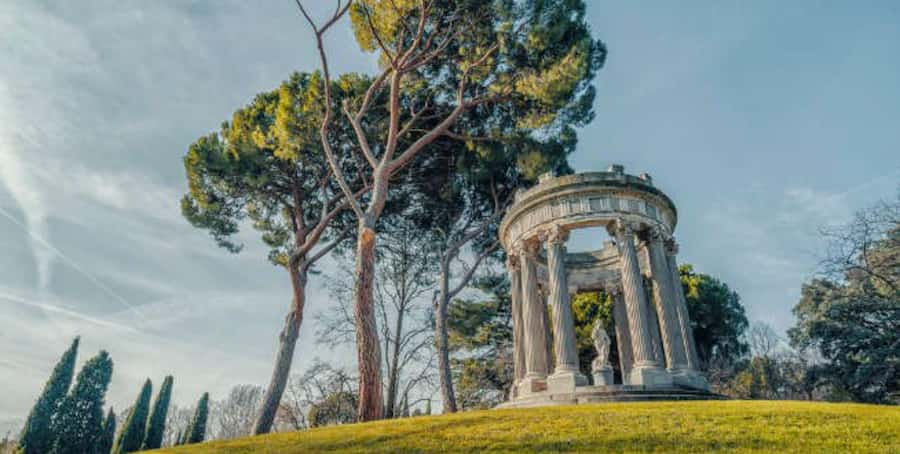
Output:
(8, 296)
(865, 184)
(74, 265)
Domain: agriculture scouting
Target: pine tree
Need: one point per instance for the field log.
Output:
(36, 437)
(105, 442)
(196, 432)
(133, 430)
(156, 425)
(78, 423)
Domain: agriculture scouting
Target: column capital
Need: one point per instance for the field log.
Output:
(553, 235)
(512, 261)
(671, 246)
(613, 289)
(622, 227)
(525, 248)
(655, 233)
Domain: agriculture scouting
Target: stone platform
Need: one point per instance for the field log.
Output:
(612, 393)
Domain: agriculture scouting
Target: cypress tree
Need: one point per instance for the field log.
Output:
(78, 424)
(132, 433)
(36, 437)
(105, 442)
(197, 430)
(156, 425)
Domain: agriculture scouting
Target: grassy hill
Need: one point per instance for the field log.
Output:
(688, 427)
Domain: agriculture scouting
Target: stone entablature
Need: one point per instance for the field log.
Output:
(585, 200)
(638, 269)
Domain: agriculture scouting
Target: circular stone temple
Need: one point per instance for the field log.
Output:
(656, 356)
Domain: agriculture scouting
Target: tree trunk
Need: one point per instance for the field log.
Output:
(287, 341)
(368, 350)
(441, 339)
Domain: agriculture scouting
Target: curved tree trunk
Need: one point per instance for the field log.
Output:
(368, 350)
(287, 341)
(441, 339)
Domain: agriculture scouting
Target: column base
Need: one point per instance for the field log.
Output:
(649, 375)
(603, 376)
(690, 378)
(565, 381)
(531, 385)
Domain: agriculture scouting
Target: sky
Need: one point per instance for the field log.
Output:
(764, 121)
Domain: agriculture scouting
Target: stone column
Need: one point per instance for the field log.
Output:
(623, 335)
(566, 375)
(691, 376)
(645, 371)
(515, 294)
(664, 297)
(533, 314)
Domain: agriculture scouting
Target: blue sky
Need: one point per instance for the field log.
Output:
(762, 120)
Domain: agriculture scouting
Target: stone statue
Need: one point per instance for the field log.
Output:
(601, 344)
(600, 368)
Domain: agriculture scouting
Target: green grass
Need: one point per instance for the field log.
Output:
(688, 427)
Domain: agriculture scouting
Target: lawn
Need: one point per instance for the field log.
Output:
(686, 427)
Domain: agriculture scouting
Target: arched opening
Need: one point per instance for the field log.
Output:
(587, 239)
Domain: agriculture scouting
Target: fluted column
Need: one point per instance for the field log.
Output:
(664, 297)
(533, 314)
(623, 335)
(515, 293)
(566, 374)
(693, 376)
(646, 370)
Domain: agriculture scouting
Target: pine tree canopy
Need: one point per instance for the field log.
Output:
(36, 437)
(78, 424)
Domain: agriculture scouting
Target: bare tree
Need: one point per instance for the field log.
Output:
(764, 341)
(471, 226)
(402, 285)
(233, 416)
(177, 421)
(322, 395)
(868, 246)
(441, 61)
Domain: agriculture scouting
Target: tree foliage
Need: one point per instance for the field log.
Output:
(851, 315)
(717, 317)
(108, 433)
(36, 437)
(78, 423)
(156, 425)
(135, 426)
(196, 432)
(265, 167)
(493, 69)
(587, 309)
(480, 335)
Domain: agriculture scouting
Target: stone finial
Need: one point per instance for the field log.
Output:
(546, 176)
(518, 195)
(616, 168)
